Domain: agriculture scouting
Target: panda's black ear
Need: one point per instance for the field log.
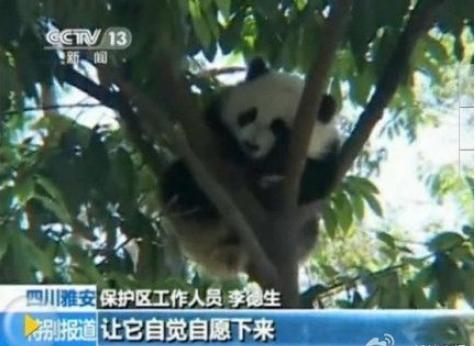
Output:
(257, 67)
(327, 109)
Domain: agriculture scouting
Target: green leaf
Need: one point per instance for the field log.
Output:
(59, 210)
(16, 261)
(329, 270)
(362, 184)
(49, 187)
(415, 262)
(300, 4)
(361, 86)
(39, 259)
(444, 241)
(330, 221)
(210, 17)
(224, 7)
(24, 190)
(344, 211)
(435, 48)
(28, 257)
(425, 277)
(404, 249)
(358, 206)
(462, 253)
(470, 183)
(199, 24)
(7, 196)
(83, 268)
(387, 239)
(373, 204)
(231, 35)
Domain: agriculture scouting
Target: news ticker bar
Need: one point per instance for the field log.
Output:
(234, 327)
(67, 315)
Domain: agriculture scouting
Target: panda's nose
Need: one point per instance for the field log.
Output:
(251, 146)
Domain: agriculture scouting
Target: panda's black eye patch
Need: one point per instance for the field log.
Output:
(247, 117)
(278, 127)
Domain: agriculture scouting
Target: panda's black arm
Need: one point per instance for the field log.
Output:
(181, 193)
(327, 109)
(256, 68)
(319, 176)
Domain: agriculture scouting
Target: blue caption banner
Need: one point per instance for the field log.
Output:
(68, 316)
(286, 327)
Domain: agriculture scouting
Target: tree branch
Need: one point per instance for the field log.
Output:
(420, 21)
(50, 107)
(113, 101)
(312, 95)
(213, 72)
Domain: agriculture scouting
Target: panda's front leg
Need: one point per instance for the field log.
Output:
(322, 162)
(180, 193)
(319, 176)
(327, 109)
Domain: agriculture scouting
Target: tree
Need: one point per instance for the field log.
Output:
(66, 184)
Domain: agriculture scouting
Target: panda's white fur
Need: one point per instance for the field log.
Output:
(204, 241)
(275, 95)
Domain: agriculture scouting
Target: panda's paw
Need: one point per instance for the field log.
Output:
(269, 180)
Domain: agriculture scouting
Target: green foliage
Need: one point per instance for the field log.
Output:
(348, 204)
(447, 182)
(441, 278)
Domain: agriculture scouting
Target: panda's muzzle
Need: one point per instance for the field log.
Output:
(251, 146)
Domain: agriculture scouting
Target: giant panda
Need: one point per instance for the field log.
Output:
(252, 121)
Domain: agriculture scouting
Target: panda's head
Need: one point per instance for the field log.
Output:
(260, 111)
